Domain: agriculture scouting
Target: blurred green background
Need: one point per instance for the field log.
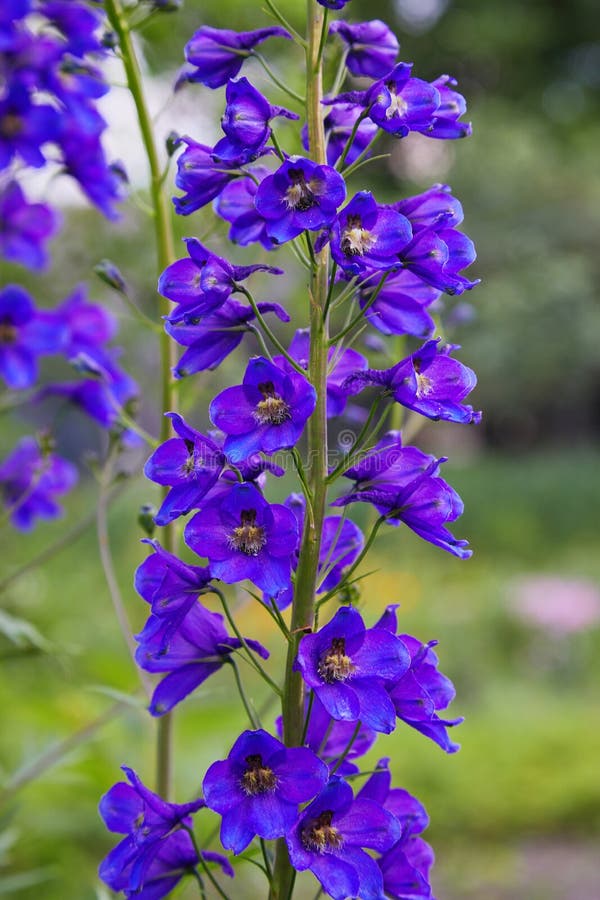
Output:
(515, 814)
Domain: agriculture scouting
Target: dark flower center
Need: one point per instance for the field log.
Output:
(299, 195)
(257, 778)
(355, 238)
(320, 835)
(10, 125)
(248, 537)
(272, 410)
(334, 664)
(8, 333)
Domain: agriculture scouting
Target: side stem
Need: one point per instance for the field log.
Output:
(303, 609)
(165, 254)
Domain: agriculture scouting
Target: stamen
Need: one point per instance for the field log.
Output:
(320, 835)
(356, 239)
(398, 106)
(424, 385)
(248, 538)
(273, 410)
(299, 195)
(8, 333)
(335, 665)
(257, 778)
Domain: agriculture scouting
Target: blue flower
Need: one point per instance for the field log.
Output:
(299, 195)
(422, 691)
(258, 788)
(25, 228)
(366, 236)
(30, 481)
(216, 335)
(401, 304)
(189, 464)
(202, 282)
(267, 412)
(428, 381)
(405, 866)
(25, 334)
(372, 47)
(329, 836)
(403, 485)
(235, 204)
(168, 584)
(218, 54)
(347, 665)
(189, 643)
(243, 536)
(155, 845)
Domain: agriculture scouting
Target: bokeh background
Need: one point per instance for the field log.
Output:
(515, 814)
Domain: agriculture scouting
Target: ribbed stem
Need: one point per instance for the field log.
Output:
(303, 609)
(165, 255)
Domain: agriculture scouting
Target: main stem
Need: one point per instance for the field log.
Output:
(165, 254)
(303, 609)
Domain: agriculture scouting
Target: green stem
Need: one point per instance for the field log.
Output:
(274, 340)
(360, 316)
(347, 748)
(303, 607)
(275, 78)
(165, 255)
(252, 718)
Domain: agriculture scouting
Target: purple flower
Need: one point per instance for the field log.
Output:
(347, 665)
(405, 866)
(258, 787)
(202, 282)
(216, 335)
(189, 464)
(89, 324)
(333, 4)
(150, 824)
(372, 47)
(83, 157)
(25, 334)
(401, 304)
(428, 381)
(78, 23)
(266, 412)
(367, 236)
(435, 208)
(200, 177)
(30, 481)
(403, 484)
(168, 584)
(445, 124)
(243, 536)
(235, 204)
(329, 836)
(218, 54)
(25, 227)
(25, 127)
(299, 195)
(422, 691)
(437, 258)
(190, 644)
(246, 123)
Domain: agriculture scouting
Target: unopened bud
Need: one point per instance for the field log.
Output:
(146, 518)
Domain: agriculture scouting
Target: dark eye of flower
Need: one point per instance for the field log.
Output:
(248, 537)
(320, 835)
(258, 778)
(10, 125)
(355, 238)
(334, 664)
(8, 333)
(273, 410)
(398, 106)
(299, 195)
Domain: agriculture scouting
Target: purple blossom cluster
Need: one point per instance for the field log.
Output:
(387, 265)
(49, 50)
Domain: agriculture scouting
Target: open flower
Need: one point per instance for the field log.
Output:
(372, 47)
(243, 536)
(217, 54)
(347, 665)
(329, 836)
(189, 465)
(267, 412)
(299, 195)
(258, 788)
